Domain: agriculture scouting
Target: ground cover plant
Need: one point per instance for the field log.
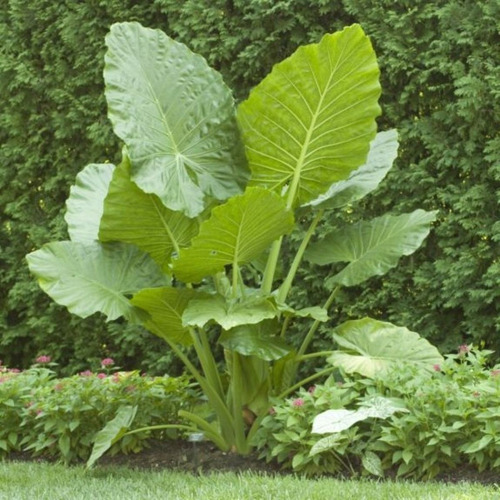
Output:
(412, 423)
(60, 417)
(185, 235)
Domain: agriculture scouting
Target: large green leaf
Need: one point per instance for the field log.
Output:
(365, 179)
(256, 340)
(370, 347)
(373, 247)
(236, 233)
(133, 216)
(87, 278)
(176, 116)
(85, 203)
(227, 314)
(112, 432)
(165, 307)
(310, 121)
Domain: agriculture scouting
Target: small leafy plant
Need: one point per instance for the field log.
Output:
(185, 235)
(414, 423)
(60, 418)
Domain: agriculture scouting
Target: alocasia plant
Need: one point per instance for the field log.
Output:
(205, 190)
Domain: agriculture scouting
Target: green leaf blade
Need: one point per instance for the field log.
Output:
(309, 123)
(133, 216)
(165, 307)
(237, 231)
(365, 179)
(84, 207)
(255, 340)
(176, 117)
(369, 347)
(89, 278)
(372, 248)
(112, 432)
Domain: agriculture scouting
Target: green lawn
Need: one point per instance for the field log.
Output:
(29, 481)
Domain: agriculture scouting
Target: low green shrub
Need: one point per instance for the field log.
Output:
(450, 418)
(61, 417)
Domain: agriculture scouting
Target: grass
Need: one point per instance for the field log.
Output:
(23, 481)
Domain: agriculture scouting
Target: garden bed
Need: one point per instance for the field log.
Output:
(182, 456)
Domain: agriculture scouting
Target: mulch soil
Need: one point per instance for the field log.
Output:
(203, 458)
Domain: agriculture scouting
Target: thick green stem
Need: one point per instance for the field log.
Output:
(319, 354)
(235, 272)
(287, 284)
(315, 325)
(304, 381)
(284, 327)
(239, 424)
(215, 397)
(208, 429)
(161, 427)
(212, 385)
(272, 261)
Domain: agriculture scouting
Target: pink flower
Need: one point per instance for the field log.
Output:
(463, 349)
(39, 412)
(58, 387)
(14, 370)
(476, 394)
(101, 375)
(298, 402)
(311, 389)
(437, 368)
(43, 359)
(107, 362)
(86, 373)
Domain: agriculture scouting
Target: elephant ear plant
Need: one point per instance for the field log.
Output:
(205, 190)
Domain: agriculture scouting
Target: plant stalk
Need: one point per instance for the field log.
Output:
(287, 284)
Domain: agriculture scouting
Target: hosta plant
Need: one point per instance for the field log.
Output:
(184, 236)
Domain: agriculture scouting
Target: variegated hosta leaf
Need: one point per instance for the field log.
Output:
(202, 310)
(333, 421)
(365, 179)
(371, 347)
(89, 278)
(166, 306)
(133, 216)
(236, 233)
(176, 116)
(85, 203)
(371, 247)
(310, 121)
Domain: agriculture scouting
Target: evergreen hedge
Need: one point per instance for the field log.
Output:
(440, 72)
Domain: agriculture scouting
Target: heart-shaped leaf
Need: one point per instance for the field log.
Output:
(333, 421)
(373, 247)
(133, 216)
(365, 179)
(87, 278)
(255, 340)
(370, 347)
(85, 203)
(310, 121)
(216, 308)
(176, 116)
(236, 233)
(166, 306)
